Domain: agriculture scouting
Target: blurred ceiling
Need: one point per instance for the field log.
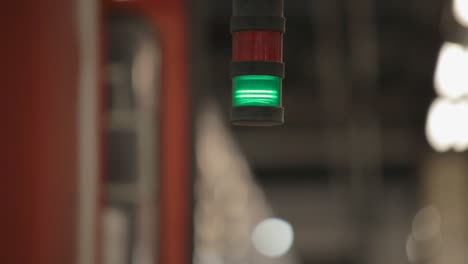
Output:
(344, 167)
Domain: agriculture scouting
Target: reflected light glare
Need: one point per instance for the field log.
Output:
(411, 250)
(450, 78)
(426, 224)
(273, 237)
(460, 11)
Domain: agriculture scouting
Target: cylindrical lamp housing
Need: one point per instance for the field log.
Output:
(257, 69)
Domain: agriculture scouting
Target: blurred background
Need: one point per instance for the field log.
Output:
(118, 147)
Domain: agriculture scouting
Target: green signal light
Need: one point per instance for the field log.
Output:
(256, 90)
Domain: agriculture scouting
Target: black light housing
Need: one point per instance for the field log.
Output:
(257, 69)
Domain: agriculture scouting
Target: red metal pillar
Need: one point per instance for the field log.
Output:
(38, 135)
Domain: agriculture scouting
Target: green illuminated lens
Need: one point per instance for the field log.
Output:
(256, 90)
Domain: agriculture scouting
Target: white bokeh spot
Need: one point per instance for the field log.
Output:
(273, 237)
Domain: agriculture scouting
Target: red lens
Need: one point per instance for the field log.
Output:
(257, 45)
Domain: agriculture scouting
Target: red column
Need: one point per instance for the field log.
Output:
(38, 135)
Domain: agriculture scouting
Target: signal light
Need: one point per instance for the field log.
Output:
(257, 68)
(256, 90)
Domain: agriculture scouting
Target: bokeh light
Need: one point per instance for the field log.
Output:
(273, 237)
(450, 78)
(460, 11)
(446, 126)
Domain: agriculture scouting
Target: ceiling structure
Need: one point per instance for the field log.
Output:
(344, 168)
